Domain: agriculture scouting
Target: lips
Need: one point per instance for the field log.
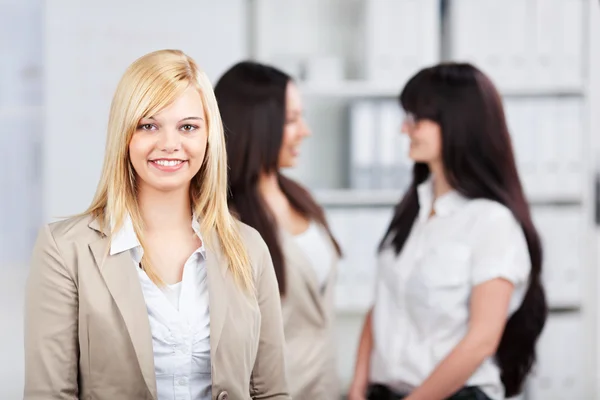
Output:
(168, 165)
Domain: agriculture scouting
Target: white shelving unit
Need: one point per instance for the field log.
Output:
(541, 63)
(542, 55)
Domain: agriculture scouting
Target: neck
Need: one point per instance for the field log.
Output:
(440, 183)
(165, 210)
(268, 186)
(271, 193)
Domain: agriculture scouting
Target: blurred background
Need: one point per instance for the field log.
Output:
(60, 61)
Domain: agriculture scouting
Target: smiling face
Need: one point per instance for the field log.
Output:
(168, 148)
(295, 128)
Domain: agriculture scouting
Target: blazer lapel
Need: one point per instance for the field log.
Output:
(123, 283)
(217, 275)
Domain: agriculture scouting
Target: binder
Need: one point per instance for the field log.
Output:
(363, 129)
(389, 167)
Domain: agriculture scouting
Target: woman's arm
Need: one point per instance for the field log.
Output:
(51, 325)
(268, 376)
(360, 380)
(488, 314)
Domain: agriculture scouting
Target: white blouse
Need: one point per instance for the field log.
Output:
(316, 245)
(179, 322)
(421, 309)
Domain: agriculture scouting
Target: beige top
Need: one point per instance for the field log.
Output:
(87, 333)
(308, 320)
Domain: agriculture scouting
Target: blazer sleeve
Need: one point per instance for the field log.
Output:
(51, 325)
(269, 373)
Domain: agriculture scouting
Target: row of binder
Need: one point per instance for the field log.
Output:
(378, 150)
(534, 44)
(547, 135)
(383, 40)
(541, 48)
(548, 138)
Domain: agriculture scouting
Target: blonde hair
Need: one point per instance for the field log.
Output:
(150, 84)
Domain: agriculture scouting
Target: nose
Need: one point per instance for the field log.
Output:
(304, 129)
(169, 140)
(405, 128)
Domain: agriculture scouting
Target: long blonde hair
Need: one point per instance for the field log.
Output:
(150, 84)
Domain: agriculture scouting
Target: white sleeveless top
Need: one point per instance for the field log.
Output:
(317, 247)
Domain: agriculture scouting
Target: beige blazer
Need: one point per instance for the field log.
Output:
(87, 334)
(308, 320)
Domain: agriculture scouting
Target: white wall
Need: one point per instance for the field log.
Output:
(88, 47)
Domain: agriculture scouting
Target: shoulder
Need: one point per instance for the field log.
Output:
(74, 229)
(490, 213)
(71, 227)
(495, 223)
(66, 234)
(58, 243)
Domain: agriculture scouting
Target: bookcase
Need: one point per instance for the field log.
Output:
(351, 59)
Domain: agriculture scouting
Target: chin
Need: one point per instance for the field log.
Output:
(418, 158)
(168, 186)
(290, 163)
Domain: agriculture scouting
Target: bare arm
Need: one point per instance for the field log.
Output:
(489, 308)
(268, 376)
(361, 370)
(51, 325)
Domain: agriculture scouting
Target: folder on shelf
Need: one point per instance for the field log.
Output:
(363, 136)
(388, 150)
(394, 165)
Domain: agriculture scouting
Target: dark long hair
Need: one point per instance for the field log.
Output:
(478, 161)
(251, 98)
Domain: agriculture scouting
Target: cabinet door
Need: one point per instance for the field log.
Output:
(559, 372)
(562, 232)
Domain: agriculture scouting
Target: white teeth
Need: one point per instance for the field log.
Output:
(168, 163)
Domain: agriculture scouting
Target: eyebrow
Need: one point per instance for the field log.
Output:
(184, 119)
(193, 119)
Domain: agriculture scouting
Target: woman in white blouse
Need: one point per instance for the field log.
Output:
(156, 291)
(264, 127)
(459, 302)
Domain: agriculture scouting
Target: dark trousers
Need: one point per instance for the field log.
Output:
(380, 392)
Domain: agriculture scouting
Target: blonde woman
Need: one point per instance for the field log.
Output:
(156, 292)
